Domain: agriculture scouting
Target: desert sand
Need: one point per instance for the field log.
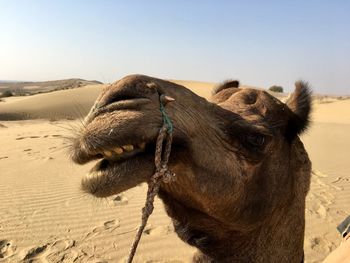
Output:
(44, 217)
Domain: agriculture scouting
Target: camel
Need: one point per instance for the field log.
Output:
(242, 173)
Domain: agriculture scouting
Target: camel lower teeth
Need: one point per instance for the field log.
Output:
(118, 150)
(128, 148)
(108, 153)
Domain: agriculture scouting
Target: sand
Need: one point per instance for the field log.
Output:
(63, 104)
(328, 144)
(44, 217)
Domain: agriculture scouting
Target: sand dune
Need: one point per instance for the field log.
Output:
(63, 104)
(203, 89)
(334, 112)
(46, 218)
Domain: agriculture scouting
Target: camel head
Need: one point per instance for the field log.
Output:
(237, 158)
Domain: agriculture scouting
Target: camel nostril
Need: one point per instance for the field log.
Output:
(121, 97)
(121, 102)
(117, 98)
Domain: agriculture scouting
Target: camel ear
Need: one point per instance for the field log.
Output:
(299, 103)
(226, 85)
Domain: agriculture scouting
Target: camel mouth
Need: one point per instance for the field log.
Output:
(120, 153)
(115, 156)
(110, 174)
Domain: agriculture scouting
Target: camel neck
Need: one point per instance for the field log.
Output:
(279, 238)
(279, 241)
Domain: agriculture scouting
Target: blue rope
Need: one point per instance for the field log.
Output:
(166, 118)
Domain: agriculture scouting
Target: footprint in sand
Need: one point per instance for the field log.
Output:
(320, 245)
(322, 197)
(338, 179)
(7, 249)
(62, 251)
(319, 181)
(58, 251)
(31, 253)
(63, 244)
(27, 150)
(2, 126)
(120, 200)
(158, 231)
(319, 174)
(4, 157)
(319, 204)
(322, 211)
(109, 226)
(68, 256)
(22, 138)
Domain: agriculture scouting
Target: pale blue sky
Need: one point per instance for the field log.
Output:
(260, 43)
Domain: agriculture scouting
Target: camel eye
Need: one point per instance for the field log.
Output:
(256, 140)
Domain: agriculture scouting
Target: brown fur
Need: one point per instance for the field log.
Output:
(242, 171)
(225, 85)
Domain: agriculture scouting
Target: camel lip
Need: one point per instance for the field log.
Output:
(107, 177)
(106, 166)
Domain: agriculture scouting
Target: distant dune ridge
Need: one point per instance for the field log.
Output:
(46, 218)
(30, 87)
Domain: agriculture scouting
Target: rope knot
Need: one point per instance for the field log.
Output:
(167, 175)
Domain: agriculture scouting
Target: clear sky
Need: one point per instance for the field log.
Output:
(261, 43)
